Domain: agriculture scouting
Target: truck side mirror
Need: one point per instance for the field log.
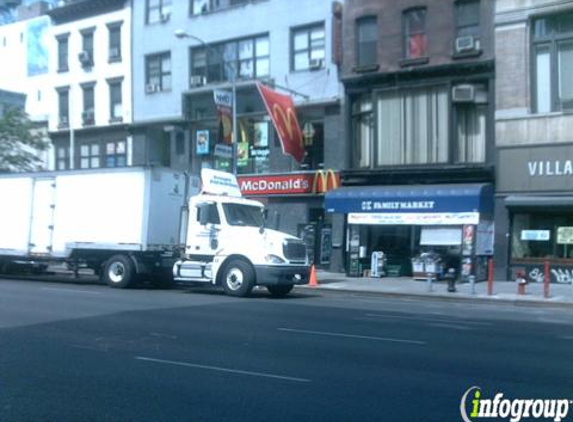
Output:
(265, 213)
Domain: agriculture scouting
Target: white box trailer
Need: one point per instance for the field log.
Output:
(91, 215)
(133, 222)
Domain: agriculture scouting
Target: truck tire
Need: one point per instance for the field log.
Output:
(119, 271)
(238, 278)
(280, 290)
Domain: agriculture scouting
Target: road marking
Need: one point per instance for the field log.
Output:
(357, 336)
(219, 369)
(57, 289)
(449, 326)
(566, 337)
(438, 320)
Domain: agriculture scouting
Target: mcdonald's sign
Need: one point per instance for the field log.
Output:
(325, 180)
(301, 183)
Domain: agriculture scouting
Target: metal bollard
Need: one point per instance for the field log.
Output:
(429, 281)
(472, 279)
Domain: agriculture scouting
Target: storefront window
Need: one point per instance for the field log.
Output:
(536, 235)
(252, 149)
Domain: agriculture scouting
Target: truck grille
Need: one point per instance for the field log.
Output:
(294, 250)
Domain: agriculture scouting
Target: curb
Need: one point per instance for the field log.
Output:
(493, 300)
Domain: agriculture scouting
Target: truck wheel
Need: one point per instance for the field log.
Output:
(238, 278)
(281, 290)
(119, 271)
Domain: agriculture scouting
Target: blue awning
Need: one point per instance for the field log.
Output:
(451, 198)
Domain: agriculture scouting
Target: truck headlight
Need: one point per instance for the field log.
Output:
(273, 259)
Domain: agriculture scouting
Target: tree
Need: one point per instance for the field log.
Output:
(20, 141)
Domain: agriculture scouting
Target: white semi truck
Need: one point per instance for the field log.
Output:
(133, 223)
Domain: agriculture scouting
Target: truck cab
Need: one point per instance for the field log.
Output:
(228, 244)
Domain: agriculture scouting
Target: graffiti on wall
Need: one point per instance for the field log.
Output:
(535, 273)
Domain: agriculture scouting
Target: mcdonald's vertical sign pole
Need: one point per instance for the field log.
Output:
(281, 109)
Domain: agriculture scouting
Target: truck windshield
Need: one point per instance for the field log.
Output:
(243, 215)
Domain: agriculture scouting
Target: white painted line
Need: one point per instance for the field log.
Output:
(438, 320)
(219, 369)
(357, 336)
(449, 326)
(57, 289)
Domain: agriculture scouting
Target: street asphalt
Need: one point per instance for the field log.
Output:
(76, 352)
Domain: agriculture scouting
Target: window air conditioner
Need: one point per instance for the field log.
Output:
(467, 43)
(85, 58)
(463, 94)
(88, 116)
(197, 80)
(63, 120)
(315, 64)
(165, 17)
(150, 88)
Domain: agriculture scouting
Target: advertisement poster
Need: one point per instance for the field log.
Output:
(224, 104)
(242, 154)
(202, 142)
(564, 235)
(467, 239)
(261, 135)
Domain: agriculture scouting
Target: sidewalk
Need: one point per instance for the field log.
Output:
(503, 291)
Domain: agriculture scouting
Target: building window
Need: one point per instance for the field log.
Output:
(114, 52)
(249, 58)
(313, 138)
(308, 47)
(62, 158)
(363, 129)
(415, 43)
(471, 132)
(203, 6)
(467, 25)
(158, 10)
(88, 114)
(89, 156)
(197, 7)
(158, 72)
(115, 101)
(63, 107)
(412, 127)
(539, 235)
(115, 154)
(86, 56)
(552, 53)
(63, 51)
(367, 37)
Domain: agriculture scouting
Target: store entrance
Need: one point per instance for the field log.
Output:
(399, 244)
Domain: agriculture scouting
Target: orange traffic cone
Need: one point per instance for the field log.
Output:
(312, 282)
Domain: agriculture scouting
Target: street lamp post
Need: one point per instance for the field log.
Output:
(180, 33)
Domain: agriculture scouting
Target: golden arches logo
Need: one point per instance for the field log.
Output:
(288, 120)
(321, 179)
